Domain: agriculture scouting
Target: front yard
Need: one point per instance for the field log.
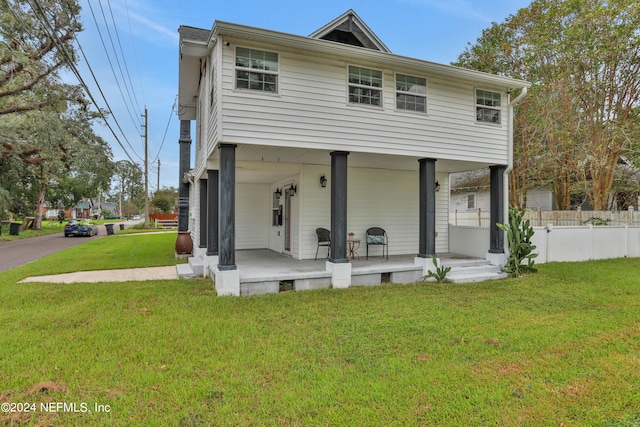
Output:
(561, 347)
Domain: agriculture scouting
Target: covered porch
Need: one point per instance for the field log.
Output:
(262, 271)
(247, 196)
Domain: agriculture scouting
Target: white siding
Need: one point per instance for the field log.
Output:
(311, 110)
(376, 198)
(252, 216)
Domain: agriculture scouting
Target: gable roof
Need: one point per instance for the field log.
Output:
(348, 28)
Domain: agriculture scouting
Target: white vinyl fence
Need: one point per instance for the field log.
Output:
(480, 218)
(557, 243)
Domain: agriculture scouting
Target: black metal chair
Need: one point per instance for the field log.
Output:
(324, 239)
(376, 236)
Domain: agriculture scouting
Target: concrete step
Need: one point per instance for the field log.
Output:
(186, 272)
(197, 265)
(477, 272)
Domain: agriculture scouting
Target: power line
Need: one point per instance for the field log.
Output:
(124, 59)
(106, 52)
(135, 53)
(52, 34)
(167, 128)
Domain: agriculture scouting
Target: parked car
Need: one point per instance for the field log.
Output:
(75, 228)
(136, 217)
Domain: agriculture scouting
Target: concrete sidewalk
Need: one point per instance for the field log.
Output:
(120, 275)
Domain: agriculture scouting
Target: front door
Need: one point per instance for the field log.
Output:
(287, 221)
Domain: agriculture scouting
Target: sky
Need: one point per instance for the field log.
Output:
(131, 49)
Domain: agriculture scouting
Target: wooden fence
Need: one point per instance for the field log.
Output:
(540, 218)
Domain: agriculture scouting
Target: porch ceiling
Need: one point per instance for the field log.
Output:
(287, 155)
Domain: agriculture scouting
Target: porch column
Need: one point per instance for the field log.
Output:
(338, 263)
(185, 166)
(202, 239)
(226, 274)
(212, 212)
(496, 236)
(427, 228)
(338, 253)
(227, 207)
(184, 243)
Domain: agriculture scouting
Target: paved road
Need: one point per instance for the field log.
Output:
(18, 252)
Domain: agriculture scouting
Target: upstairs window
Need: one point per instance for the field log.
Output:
(488, 107)
(256, 70)
(365, 86)
(411, 93)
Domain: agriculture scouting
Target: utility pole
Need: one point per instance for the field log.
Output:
(158, 187)
(146, 168)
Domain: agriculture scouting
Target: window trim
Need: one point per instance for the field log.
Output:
(380, 89)
(237, 68)
(476, 106)
(396, 92)
(471, 197)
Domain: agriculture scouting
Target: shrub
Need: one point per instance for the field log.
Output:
(519, 234)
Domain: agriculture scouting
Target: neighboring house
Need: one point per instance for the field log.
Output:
(279, 115)
(469, 191)
(111, 206)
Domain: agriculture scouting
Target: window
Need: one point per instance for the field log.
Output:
(411, 93)
(365, 86)
(487, 106)
(471, 201)
(256, 70)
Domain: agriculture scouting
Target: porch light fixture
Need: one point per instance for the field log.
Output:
(323, 181)
(292, 190)
(437, 186)
(277, 193)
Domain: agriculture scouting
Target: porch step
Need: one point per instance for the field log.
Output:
(186, 271)
(197, 265)
(477, 271)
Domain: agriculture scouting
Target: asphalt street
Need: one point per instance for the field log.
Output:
(18, 252)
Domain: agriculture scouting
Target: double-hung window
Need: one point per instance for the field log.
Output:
(411, 93)
(365, 86)
(471, 201)
(256, 70)
(488, 106)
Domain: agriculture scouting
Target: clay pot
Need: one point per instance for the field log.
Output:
(184, 244)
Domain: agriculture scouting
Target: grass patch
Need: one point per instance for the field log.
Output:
(106, 253)
(48, 227)
(561, 347)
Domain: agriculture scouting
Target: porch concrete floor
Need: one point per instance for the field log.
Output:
(257, 265)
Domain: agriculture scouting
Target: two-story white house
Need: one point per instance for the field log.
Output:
(331, 130)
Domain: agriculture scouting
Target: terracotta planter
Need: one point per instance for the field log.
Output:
(184, 244)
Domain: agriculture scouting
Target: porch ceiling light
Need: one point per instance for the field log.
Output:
(323, 181)
(437, 186)
(292, 190)
(277, 193)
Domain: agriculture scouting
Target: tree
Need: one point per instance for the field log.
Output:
(165, 199)
(50, 151)
(36, 42)
(583, 59)
(129, 183)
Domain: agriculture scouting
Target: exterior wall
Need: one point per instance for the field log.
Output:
(376, 198)
(540, 199)
(252, 216)
(470, 241)
(536, 199)
(311, 110)
(459, 201)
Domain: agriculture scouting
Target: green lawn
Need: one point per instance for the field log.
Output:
(561, 347)
(48, 227)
